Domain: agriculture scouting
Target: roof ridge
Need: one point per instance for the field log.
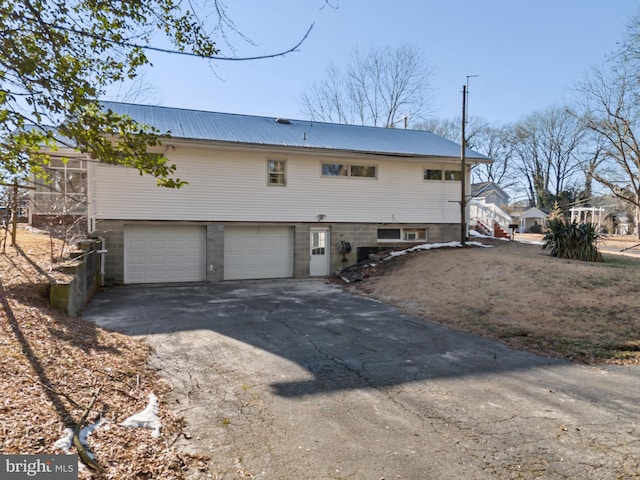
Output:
(274, 117)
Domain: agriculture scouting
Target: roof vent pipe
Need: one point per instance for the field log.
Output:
(284, 121)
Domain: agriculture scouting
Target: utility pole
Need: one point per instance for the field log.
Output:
(463, 170)
(463, 162)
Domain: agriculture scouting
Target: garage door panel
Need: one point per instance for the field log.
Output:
(242, 245)
(156, 244)
(176, 260)
(239, 259)
(158, 260)
(156, 254)
(258, 252)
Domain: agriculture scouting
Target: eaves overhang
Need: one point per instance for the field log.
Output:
(314, 151)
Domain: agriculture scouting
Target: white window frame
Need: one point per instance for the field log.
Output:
(432, 170)
(421, 234)
(456, 173)
(443, 175)
(348, 166)
(64, 200)
(283, 173)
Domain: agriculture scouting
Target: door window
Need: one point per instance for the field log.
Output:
(318, 243)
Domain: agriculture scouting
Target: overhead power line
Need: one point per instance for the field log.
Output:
(170, 51)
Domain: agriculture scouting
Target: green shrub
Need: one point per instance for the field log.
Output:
(536, 228)
(572, 240)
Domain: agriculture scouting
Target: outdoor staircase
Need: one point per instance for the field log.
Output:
(489, 219)
(499, 232)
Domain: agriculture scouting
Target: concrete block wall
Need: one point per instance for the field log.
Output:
(444, 232)
(357, 234)
(215, 253)
(74, 295)
(301, 254)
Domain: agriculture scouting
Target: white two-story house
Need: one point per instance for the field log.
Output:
(271, 197)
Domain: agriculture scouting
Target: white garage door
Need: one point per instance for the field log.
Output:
(155, 254)
(258, 252)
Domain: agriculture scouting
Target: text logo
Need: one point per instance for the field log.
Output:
(39, 467)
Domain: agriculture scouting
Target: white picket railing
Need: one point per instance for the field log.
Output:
(488, 214)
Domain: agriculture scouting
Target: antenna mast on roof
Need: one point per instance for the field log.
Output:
(404, 117)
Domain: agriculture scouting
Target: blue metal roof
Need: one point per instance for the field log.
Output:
(270, 131)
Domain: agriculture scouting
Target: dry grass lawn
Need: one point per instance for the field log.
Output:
(517, 293)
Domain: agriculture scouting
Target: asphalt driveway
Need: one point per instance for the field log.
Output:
(300, 380)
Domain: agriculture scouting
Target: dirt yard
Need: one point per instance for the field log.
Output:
(517, 293)
(53, 365)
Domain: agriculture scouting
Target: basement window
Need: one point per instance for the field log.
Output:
(389, 233)
(407, 234)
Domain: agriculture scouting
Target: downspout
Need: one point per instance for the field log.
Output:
(102, 252)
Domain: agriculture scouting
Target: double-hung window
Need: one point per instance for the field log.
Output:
(277, 172)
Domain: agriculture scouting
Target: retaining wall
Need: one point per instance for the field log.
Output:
(73, 296)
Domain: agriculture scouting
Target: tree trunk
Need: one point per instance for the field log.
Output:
(638, 215)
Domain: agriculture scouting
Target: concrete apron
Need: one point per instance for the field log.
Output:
(299, 380)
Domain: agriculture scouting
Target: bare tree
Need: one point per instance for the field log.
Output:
(139, 89)
(376, 88)
(449, 128)
(546, 144)
(610, 108)
(592, 153)
(493, 141)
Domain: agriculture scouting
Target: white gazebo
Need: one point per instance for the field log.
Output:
(593, 215)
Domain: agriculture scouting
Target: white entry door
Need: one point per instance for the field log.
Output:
(319, 252)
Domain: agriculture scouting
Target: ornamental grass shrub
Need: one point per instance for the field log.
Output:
(571, 240)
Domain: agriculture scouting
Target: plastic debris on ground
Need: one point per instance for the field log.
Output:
(147, 418)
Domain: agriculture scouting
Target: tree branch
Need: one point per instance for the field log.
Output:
(82, 451)
(169, 51)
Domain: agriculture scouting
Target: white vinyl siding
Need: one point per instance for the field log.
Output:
(155, 254)
(230, 186)
(258, 252)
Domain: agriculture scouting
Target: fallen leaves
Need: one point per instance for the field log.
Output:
(52, 364)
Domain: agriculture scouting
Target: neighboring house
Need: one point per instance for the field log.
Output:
(490, 192)
(271, 198)
(530, 218)
(6, 213)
